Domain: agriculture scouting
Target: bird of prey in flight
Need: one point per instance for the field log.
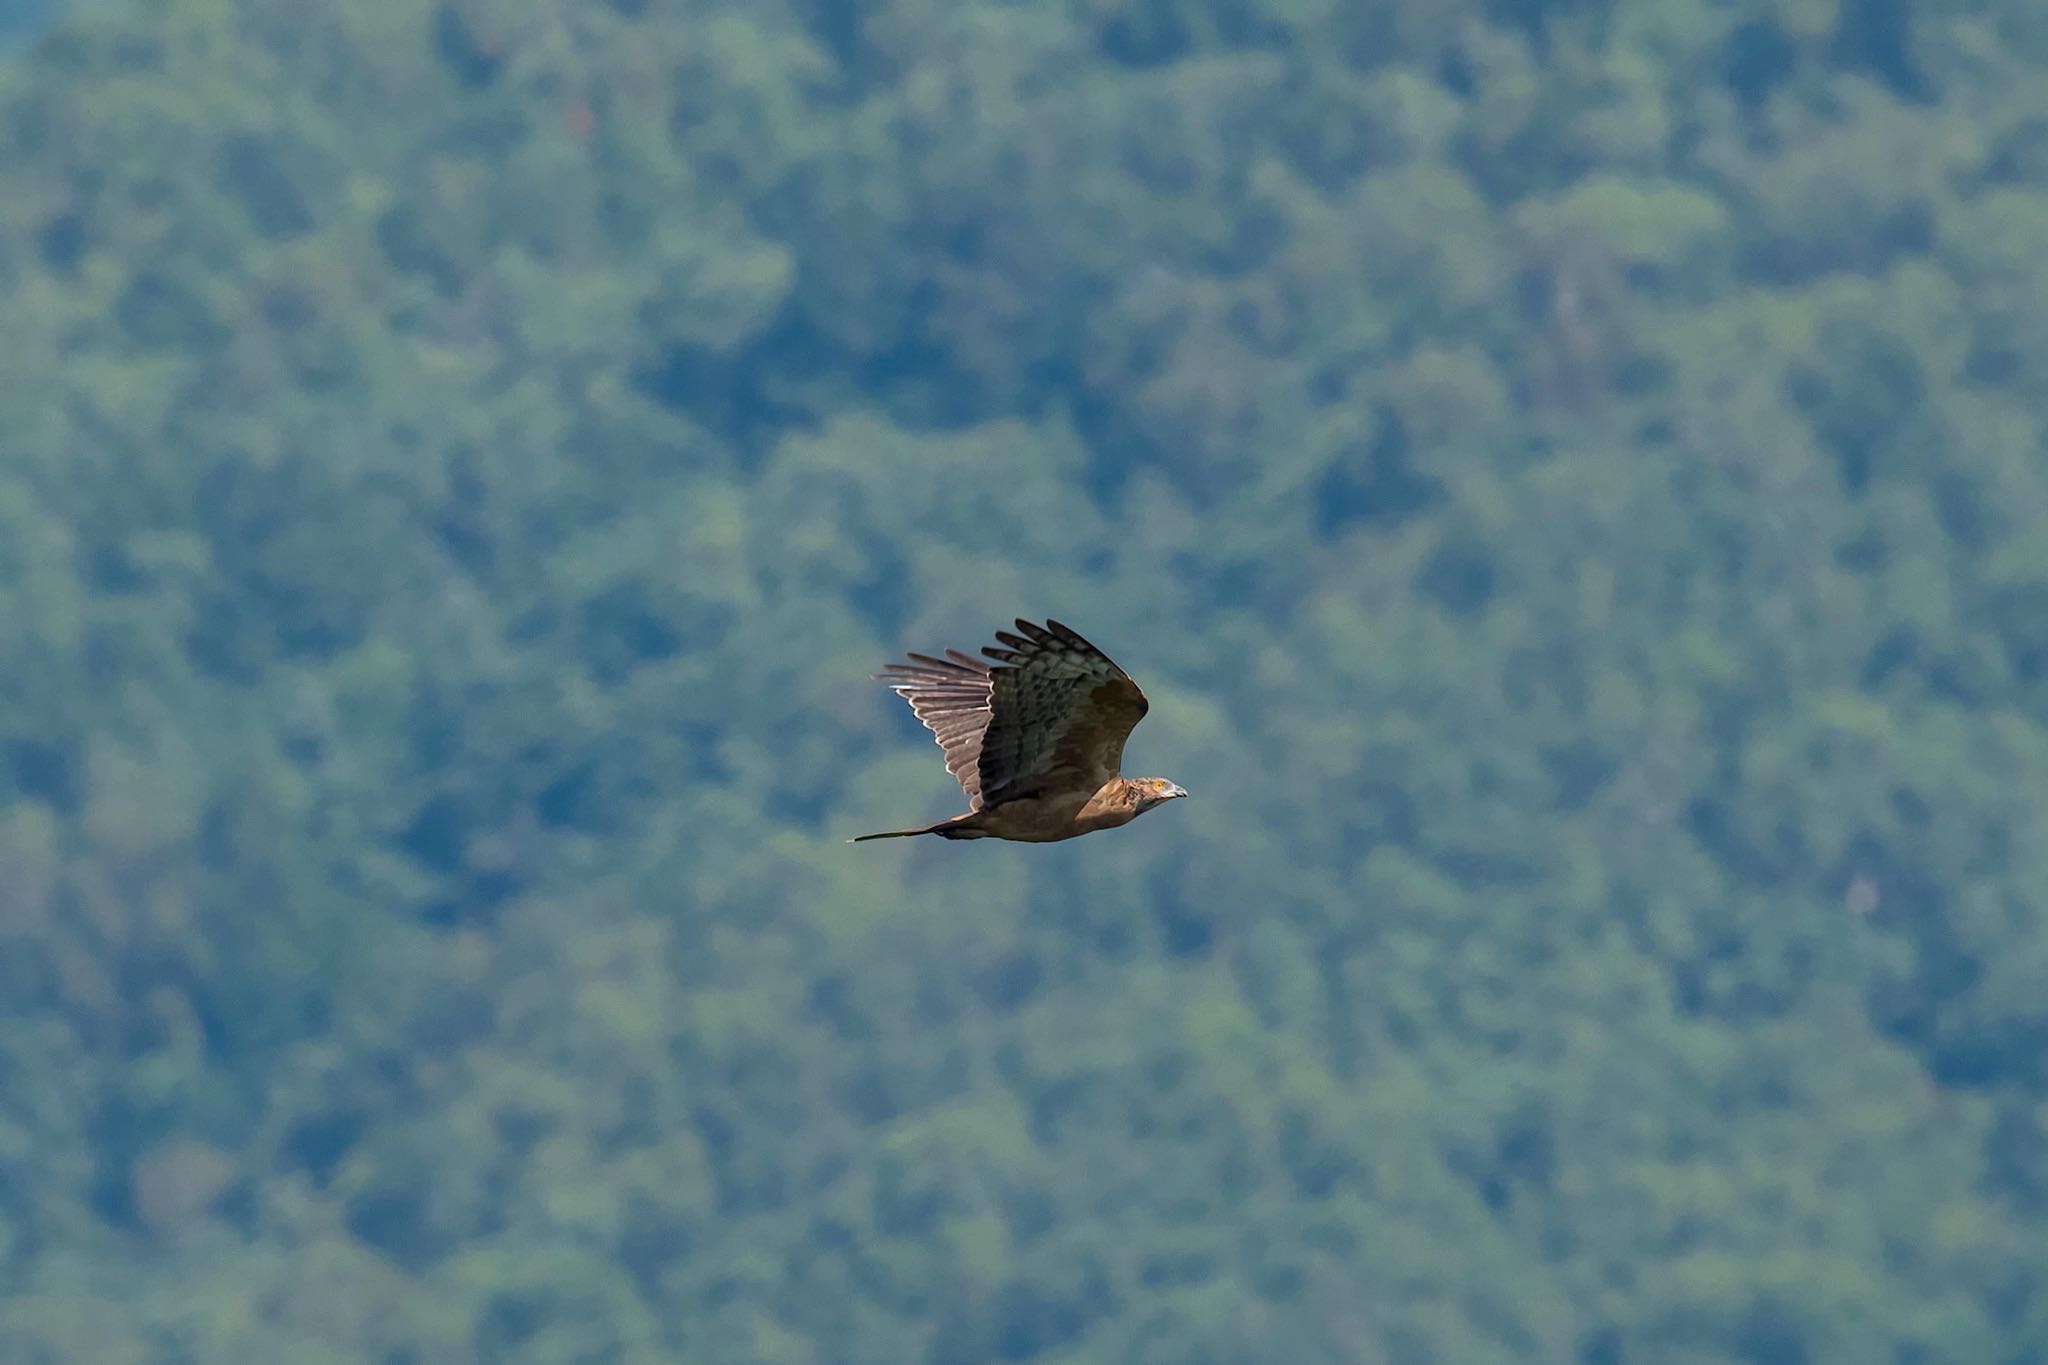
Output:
(1036, 741)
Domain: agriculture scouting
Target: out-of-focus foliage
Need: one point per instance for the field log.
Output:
(1571, 477)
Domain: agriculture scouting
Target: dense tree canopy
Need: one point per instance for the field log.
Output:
(1570, 477)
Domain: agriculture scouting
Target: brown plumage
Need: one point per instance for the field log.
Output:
(1036, 741)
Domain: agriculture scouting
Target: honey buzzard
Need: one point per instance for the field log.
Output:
(1036, 741)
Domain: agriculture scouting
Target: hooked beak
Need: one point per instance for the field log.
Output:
(1175, 790)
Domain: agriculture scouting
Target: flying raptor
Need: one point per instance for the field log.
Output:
(1036, 740)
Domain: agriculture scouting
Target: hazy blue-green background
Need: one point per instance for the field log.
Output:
(1571, 477)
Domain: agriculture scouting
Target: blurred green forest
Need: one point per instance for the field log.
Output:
(1569, 474)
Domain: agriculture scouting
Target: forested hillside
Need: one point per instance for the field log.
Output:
(1570, 476)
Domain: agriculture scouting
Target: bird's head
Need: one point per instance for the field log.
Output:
(1155, 791)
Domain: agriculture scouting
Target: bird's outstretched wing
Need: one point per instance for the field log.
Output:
(1058, 714)
(951, 697)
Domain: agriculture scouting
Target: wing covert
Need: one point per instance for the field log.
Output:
(1060, 711)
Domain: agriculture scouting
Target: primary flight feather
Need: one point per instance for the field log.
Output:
(1036, 739)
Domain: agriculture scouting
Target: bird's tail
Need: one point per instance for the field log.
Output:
(945, 829)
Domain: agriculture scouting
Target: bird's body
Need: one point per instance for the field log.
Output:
(1041, 819)
(1036, 741)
